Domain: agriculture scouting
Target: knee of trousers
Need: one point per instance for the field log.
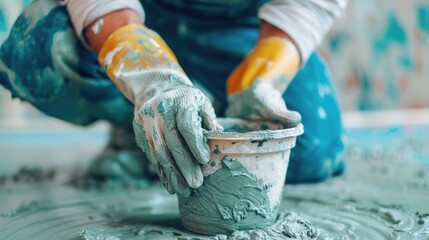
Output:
(315, 159)
(44, 63)
(39, 57)
(319, 151)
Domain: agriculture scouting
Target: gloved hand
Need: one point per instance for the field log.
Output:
(170, 114)
(255, 87)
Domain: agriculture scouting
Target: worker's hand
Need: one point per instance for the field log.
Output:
(255, 87)
(261, 102)
(170, 114)
(169, 127)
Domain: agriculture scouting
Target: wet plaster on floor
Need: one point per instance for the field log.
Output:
(380, 197)
(230, 199)
(153, 214)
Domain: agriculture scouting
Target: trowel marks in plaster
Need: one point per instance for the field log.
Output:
(153, 214)
(230, 199)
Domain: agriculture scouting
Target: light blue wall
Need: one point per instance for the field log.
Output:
(379, 54)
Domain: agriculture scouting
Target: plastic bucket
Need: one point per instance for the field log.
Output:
(243, 180)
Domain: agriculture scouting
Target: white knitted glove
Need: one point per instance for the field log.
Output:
(261, 102)
(255, 87)
(170, 114)
(169, 128)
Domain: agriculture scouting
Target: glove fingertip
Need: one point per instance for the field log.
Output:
(289, 118)
(196, 180)
(209, 119)
(204, 154)
(185, 192)
(164, 180)
(211, 124)
(180, 188)
(296, 117)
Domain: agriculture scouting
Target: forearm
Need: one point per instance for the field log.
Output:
(270, 31)
(290, 31)
(305, 22)
(97, 32)
(85, 12)
(133, 56)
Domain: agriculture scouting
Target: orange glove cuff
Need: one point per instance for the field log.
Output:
(135, 47)
(273, 59)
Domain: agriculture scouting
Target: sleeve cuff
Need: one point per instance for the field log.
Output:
(306, 22)
(83, 13)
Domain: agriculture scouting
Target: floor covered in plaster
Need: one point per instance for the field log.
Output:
(384, 195)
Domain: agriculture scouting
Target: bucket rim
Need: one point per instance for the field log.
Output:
(254, 135)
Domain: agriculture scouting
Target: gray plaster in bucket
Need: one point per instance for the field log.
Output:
(244, 179)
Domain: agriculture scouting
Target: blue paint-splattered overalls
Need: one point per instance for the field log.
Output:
(43, 62)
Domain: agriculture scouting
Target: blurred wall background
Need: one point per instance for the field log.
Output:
(13, 111)
(378, 53)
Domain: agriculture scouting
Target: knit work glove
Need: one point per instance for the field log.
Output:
(170, 114)
(256, 86)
